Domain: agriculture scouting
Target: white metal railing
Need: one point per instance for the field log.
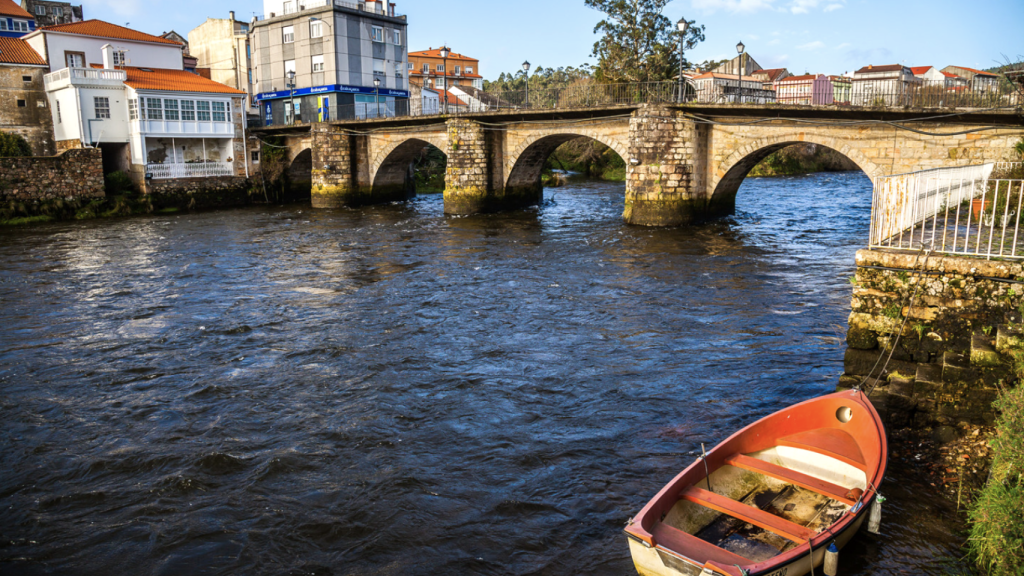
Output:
(190, 170)
(379, 8)
(961, 211)
(85, 74)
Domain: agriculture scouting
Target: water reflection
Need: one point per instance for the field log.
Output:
(389, 390)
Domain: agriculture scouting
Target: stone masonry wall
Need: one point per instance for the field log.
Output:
(958, 345)
(660, 169)
(333, 167)
(72, 174)
(25, 109)
(191, 193)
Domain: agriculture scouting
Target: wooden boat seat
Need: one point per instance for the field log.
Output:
(692, 547)
(833, 491)
(749, 514)
(830, 442)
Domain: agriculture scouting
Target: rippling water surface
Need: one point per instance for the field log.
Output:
(390, 391)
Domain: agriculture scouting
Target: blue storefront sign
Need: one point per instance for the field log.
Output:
(332, 88)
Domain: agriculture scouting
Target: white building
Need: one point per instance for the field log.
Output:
(79, 45)
(887, 85)
(727, 88)
(131, 98)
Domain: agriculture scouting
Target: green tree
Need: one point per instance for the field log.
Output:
(638, 43)
(14, 145)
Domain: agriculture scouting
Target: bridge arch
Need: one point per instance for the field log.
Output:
(392, 175)
(526, 161)
(384, 151)
(300, 173)
(726, 179)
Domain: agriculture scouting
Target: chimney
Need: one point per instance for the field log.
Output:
(108, 56)
(231, 15)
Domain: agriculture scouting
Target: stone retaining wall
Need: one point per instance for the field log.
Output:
(191, 193)
(958, 344)
(76, 173)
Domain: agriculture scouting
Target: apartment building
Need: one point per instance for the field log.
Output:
(885, 85)
(23, 106)
(727, 88)
(428, 69)
(805, 89)
(348, 59)
(47, 13)
(15, 21)
(977, 80)
(221, 45)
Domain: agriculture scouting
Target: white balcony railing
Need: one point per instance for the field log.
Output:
(190, 170)
(102, 76)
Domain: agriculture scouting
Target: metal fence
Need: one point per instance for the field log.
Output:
(460, 100)
(967, 211)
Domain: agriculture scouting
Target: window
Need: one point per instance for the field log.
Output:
(318, 63)
(73, 59)
(316, 29)
(250, 75)
(399, 70)
(133, 109)
(378, 67)
(458, 70)
(203, 111)
(288, 8)
(220, 112)
(21, 104)
(15, 25)
(288, 34)
(397, 40)
(188, 110)
(426, 68)
(469, 69)
(255, 155)
(170, 109)
(153, 109)
(289, 66)
(26, 78)
(440, 68)
(377, 34)
(58, 111)
(119, 58)
(58, 11)
(40, 10)
(101, 104)
(411, 66)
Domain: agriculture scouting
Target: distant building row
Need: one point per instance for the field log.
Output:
(743, 80)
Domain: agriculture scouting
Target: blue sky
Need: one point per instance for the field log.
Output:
(828, 36)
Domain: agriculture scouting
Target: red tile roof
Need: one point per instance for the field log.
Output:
(454, 100)
(171, 81)
(9, 8)
(101, 29)
(915, 70)
(17, 51)
(973, 71)
(801, 78)
(772, 73)
(883, 68)
(948, 75)
(436, 53)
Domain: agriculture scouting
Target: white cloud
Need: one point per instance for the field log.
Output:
(126, 8)
(773, 42)
(816, 45)
(733, 6)
(832, 7)
(843, 45)
(753, 37)
(805, 6)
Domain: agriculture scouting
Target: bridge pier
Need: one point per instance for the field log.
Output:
(474, 178)
(666, 170)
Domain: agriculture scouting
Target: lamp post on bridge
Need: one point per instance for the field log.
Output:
(526, 73)
(444, 70)
(376, 93)
(291, 94)
(683, 25)
(739, 73)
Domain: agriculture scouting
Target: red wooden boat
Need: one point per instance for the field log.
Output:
(789, 484)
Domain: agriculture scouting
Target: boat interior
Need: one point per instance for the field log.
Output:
(756, 506)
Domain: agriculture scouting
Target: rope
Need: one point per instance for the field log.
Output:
(903, 325)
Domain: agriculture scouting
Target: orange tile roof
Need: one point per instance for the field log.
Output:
(9, 8)
(973, 71)
(915, 70)
(801, 78)
(453, 99)
(171, 81)
(101, 29)
(436, 53)
(17, 51)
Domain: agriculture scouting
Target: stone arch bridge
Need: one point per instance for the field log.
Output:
(683, 164)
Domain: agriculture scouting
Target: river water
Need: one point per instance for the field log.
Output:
(391, 391)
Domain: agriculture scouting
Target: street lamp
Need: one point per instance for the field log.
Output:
(376, 91)
(291, 94)
(739, 74)
(526, 72)
(683, 26)
(444, 70)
